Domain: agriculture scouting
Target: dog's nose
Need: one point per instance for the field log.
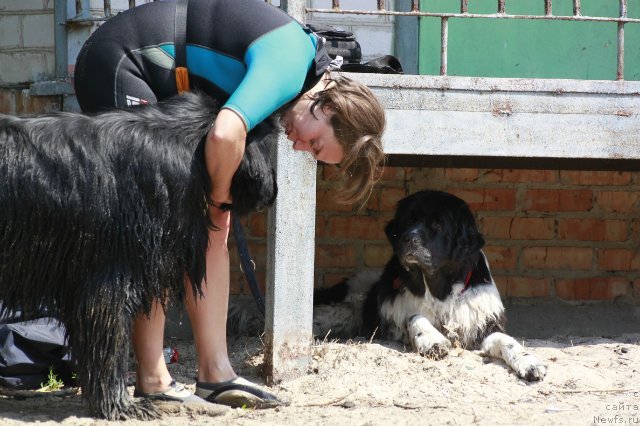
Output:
(412, 237)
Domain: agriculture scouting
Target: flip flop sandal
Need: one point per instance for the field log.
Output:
(176, 392)
(236, 393)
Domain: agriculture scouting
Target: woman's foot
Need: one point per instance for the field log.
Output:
(237, 392)
(175, 392)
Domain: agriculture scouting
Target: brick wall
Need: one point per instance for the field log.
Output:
(551, 234)
(18, 101)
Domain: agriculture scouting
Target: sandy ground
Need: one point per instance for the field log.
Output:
(590, 381)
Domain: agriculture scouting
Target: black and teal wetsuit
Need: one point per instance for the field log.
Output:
(251, 56)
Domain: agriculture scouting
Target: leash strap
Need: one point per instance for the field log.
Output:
(247, 263)
(180, 45)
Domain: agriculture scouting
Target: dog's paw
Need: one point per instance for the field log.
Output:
(425, 339)
(437, 351)
(529, 368)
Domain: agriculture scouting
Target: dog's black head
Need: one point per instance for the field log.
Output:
(435, 239)
(253, 186)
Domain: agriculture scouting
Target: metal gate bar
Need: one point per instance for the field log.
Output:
(83, 16)
(501, 14)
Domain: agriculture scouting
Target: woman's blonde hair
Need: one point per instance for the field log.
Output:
(358, 122)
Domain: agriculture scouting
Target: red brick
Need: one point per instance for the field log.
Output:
(494, 227)
(329, 279)
(7, 101)
(235, 283)
(328, 172)
(392, 174)
(356, 227)
(501, 284)
(373, 202)
(555, 200)
(520, 176)
(499, 199)
(257, 250)
(618, 201)
(501, 257)
(565, 289)
(321, 227)
(335, 256)
(325, 201)
(389, 198)
(488, 198)
(27, 105)
(619, 288)
(461, 175)
(424, 176)
(592, 229)
(377, 255)
(528, 287)
(591, 288)
(572, 258)
(238, 284)
(588, 177)
(234, 260)
(258, 224)
(532, 228)
(534, 257)
(615, 259)
(635, 230)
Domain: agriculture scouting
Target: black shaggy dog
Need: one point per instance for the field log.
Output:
(101, 214)
(436, 290)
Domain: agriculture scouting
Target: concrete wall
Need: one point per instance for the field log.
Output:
(27, 52)
(26, 41)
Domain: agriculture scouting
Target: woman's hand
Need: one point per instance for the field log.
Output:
(223, 152)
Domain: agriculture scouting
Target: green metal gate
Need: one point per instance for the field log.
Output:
(530, 38)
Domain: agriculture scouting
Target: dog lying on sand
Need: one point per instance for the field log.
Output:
(436, 291)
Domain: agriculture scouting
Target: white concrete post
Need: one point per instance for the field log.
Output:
(291, 250)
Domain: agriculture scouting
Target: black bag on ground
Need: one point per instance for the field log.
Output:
(343, 43)
(339, 43)
(386, 64)
(30, 349)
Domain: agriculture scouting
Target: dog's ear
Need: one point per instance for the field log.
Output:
(469, 240)
(391, 230)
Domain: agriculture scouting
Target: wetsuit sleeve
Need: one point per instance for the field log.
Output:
(277, 64)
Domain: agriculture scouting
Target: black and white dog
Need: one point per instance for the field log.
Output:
(436, 290)
(100, 215)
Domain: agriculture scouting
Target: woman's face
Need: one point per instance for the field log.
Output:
(312, 134)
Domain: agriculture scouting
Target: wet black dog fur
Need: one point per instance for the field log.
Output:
(102, 214)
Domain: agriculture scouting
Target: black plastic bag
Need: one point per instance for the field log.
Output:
(29, 350)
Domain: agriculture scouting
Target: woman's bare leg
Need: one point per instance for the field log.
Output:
(148, 338)
(208, 314)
